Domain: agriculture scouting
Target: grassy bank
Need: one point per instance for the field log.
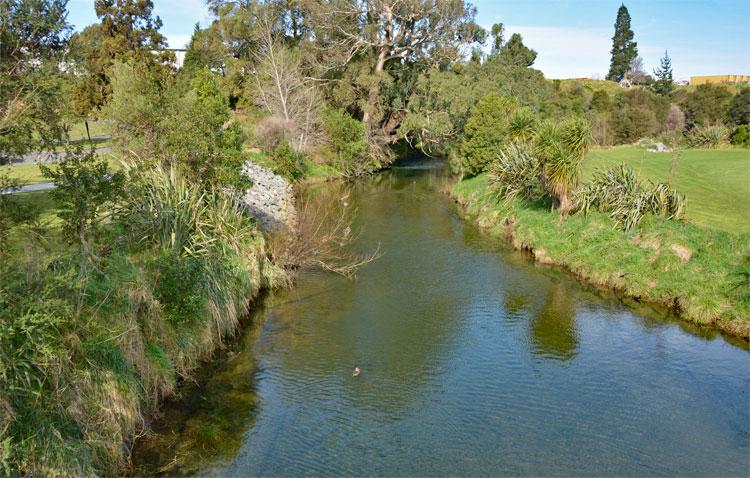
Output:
(92, 341)
(695, 271)
(716, 182)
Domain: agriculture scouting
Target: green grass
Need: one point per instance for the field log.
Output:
(707, 288)
(30, 173)
(716, 182)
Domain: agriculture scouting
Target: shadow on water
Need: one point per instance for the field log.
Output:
(475, 361)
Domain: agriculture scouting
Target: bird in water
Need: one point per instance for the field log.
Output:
(357, 371)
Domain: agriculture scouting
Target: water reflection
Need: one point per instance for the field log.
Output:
(460, 343)
(209, 423)
(553, 329)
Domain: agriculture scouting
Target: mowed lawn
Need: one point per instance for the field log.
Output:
(29, 173)
(716, 182)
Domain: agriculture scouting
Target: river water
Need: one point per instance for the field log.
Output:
(475, 362)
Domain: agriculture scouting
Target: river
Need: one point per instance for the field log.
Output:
(474, 360)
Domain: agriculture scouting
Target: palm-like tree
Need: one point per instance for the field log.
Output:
(561, 148)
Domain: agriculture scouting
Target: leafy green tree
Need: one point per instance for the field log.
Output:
(739, 108)
(497, 34)
(706, 105)
(601, 101)
(33, 36)
(84, 187)
(347, 137)
(127, 31)
(664, 83)
(443, 99)
(382, 32)
(516, 53)
(485, 133)
(624, 49)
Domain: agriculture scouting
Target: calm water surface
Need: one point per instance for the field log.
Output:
(475, 362)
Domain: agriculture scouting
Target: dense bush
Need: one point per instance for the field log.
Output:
(741, 136)
(86, 352)
(711, 136)
(485, 133)
(706, 105)
(517, 173)
(627, 199)
(739, 108)
(354, 154)
(288, 162)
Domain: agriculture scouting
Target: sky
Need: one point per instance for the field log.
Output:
(573, 38)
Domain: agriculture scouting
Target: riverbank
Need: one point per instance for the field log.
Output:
(92, 341)
(696, 272)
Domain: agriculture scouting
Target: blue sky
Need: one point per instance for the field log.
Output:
(573, 37)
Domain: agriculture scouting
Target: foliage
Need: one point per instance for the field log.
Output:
(701, 286)
(638, 113)
(624, 49)
(443, 100)
(288, 162)
(627, 199)
(705, 105)
(33, 35)
(522, 125)
(561, 148)
(127, 32)
(516, 53)
(517, 173)
(84, 188)
(710, 136)
(348, 141)
(485, 133)
(664, 83)
(739, 108)
(741, 136)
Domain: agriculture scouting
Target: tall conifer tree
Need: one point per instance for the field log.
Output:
(624, 49)
(664, 83)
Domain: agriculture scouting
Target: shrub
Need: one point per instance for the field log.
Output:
(288, 162)
(270, 132)
(741, 136)
(708, 136)
(516, 173)
(619, 191)
(348, 139)
(485, 133)
(739, 108)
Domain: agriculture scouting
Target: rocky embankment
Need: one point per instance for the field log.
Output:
(270, 200)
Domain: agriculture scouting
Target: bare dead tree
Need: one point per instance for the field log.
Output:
(282, 89)
(323, 237)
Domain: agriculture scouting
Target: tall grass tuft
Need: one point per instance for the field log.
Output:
(627, 199)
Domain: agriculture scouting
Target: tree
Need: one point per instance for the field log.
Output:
(33, 35)
(739, 108)
(624, 49)
(497, 34)
(83, 187)
(636, 74)
(386, 31)
(516, 53)
(561, 148)
(485, 133)
(282, 89)
(706, 105)
(127, 31)
(664, 83)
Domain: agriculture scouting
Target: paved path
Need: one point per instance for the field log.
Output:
(51, 157)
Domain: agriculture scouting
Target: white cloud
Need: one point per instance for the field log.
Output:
(567, 52)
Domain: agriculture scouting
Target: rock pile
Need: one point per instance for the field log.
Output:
(270, 200)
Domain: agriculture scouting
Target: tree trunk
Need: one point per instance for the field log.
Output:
(373, 97)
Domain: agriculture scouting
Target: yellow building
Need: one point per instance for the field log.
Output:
(703, 80)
